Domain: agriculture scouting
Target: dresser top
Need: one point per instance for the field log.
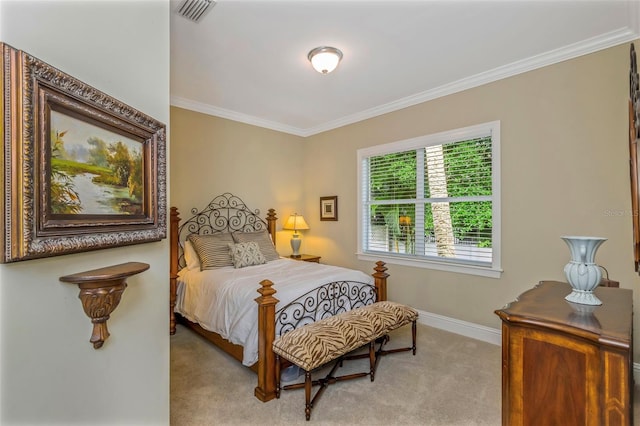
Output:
(544, 306)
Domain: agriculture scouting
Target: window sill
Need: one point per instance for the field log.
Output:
(429, 264)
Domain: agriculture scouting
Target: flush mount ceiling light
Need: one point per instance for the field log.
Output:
(325, 59)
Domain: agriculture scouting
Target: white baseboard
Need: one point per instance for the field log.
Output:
(464, 328)
(479, 332)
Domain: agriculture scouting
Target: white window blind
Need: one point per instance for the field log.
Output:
(433, 200)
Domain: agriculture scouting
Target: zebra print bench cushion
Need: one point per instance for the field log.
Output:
(315, 344)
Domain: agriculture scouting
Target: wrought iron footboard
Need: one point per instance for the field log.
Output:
(322, 302)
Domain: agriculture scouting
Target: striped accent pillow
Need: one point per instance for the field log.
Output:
(264, 242)
(212, 250)
(246, 254)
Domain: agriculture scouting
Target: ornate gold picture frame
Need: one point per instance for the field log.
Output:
(634, 135)
(81, 170)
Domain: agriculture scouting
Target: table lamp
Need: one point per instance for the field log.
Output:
(295, 222)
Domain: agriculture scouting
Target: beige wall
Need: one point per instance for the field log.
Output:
(564, 167)
(50, 372)
(213, 155)
(564, 171)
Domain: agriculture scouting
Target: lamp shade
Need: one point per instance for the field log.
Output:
(324, 59)
(296, 222)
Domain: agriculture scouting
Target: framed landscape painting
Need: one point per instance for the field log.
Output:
(92, 170)
(82, 170)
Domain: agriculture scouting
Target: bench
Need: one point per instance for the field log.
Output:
(316, 344)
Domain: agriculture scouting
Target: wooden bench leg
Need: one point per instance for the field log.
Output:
(372, 360)
(375, 355)
(307, 394)
(413, 335)
(277, 376)
(385, 339)
(329, 379)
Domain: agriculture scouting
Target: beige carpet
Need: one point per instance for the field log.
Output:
(452, 381)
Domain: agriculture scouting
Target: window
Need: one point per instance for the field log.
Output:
(433, 201)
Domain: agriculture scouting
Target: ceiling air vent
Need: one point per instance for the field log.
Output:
(193, 10)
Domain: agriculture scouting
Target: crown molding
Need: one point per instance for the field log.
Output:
(634, 17)
(235, 116)
(594, 44)
(539, 61)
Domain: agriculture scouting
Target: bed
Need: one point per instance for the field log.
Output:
(217, 299)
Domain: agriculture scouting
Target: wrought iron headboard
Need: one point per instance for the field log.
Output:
(225, 213)
(325, 301)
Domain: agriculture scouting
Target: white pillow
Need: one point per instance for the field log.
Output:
(190, 256)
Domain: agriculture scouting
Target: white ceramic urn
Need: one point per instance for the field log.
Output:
(582, 272)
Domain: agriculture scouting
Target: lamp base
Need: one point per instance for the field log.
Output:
(295, 245)
(296, 256)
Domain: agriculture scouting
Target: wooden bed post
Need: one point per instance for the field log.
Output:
(173, 266)
(266, 389)
(271, 224)
(380, 278)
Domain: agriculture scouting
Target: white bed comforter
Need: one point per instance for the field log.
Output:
(222, 300)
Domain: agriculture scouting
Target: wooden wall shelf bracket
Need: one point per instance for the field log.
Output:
(100, 293)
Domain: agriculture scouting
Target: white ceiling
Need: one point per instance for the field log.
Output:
(247, 60)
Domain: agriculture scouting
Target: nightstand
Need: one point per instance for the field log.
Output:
(307, 258)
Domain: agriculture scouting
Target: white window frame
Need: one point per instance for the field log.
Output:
(481, 130)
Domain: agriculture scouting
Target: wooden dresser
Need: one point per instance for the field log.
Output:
(567, 364)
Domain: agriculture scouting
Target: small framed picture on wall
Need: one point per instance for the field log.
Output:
(329, 208)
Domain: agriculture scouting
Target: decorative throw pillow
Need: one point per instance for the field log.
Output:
(246, 254)
(212, 250)
(263, 240)
(190, 256)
